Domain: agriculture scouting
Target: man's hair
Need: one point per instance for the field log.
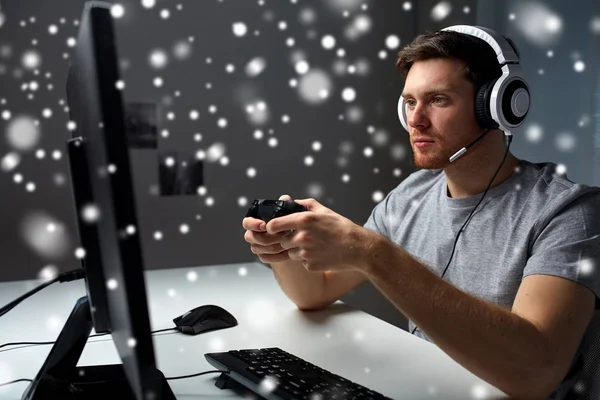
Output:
(481, 62)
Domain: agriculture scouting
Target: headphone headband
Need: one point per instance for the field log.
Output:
(504, 51)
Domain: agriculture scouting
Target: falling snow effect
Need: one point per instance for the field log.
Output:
(268, 385)
(148, 3)
(479, 392)
(565, 141)
(182, 50)
(534, 132)
(22, 133)
(48, 273)
(192, 276)
(158, 59)
(31, 60)
(112, 284)
(316, 103)
(587, 267)
(239, 29)
(51, 243)
(538, 23)
(315, 86)
(441, 10)
(10, 161)
(80, 253)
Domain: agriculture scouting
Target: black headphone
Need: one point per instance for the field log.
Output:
(501, 103)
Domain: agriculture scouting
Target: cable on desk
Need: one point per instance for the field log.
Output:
(15, 381)
(64, 277)
(23, 343)
(214, 371)
(14, 303)
(163, 330)
(95, 335)
(167, 378)
(193, 375)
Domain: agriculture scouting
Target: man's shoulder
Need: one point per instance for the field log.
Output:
(551, 188)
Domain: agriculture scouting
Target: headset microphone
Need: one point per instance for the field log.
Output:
(464, 149)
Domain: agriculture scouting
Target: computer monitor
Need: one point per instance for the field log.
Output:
(103, 194)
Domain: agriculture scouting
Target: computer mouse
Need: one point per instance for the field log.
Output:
(203, 319)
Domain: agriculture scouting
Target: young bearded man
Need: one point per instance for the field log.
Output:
(511, 297)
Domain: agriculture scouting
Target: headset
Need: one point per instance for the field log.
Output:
(501, 103)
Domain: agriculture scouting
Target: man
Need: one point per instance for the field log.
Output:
(515, 302)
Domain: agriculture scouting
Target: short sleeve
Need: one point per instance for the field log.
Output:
(377, 220)
(568, 246)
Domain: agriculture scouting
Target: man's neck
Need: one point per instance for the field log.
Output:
(472, 176)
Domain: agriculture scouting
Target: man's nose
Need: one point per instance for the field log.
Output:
(417, 116)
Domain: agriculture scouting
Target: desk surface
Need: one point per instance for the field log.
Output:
(344, 340)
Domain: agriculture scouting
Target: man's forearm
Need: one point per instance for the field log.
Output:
(304, 288)
(495, 344)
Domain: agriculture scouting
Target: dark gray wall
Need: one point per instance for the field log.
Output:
(564, 106)
(217, 236)
(562, 97)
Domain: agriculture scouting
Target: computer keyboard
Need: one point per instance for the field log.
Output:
(276, 374)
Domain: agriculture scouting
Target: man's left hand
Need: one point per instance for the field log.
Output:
(322, 239)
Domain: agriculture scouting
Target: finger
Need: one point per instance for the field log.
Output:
(283, 224)
(285, 197)
(294, 254)
(274, 258)
(311, 205)
(288, 241)
(263, 238)
(271, 249)
(254, 224)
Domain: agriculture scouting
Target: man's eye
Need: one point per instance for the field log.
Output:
(410, 103)
(439, 99)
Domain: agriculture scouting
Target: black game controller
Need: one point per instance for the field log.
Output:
(269, 209)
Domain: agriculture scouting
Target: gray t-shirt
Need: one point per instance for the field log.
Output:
(535, 222)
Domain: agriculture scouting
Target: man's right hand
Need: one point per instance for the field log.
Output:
(309, 290)
(263, 244)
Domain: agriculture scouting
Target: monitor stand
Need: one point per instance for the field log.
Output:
(60, 378)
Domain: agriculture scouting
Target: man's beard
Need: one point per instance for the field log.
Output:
(437, 159)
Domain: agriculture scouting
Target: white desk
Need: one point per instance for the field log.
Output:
(341, 339)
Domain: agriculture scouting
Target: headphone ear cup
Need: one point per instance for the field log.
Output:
(402, 113)
(482, 106)
(515, 102)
